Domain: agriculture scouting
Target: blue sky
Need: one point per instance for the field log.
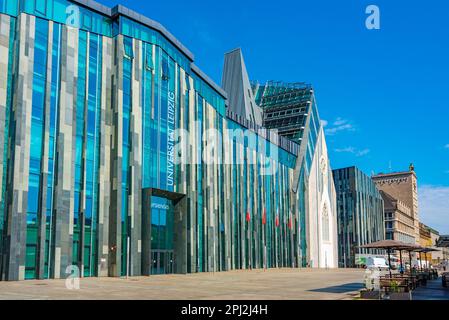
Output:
(384, 94)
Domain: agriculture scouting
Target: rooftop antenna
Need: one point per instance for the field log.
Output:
(389, 167)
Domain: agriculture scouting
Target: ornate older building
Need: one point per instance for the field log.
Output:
(402, 186)
(399, 222)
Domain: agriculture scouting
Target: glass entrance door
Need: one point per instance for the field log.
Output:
(162, 221)
(162, 261)
(169, 262)
(155, 263)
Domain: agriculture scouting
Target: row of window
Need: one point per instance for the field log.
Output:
(88, 137)
(36, 145)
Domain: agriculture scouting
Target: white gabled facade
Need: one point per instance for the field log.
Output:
(321, 216)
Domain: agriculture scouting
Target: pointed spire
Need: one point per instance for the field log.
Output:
(236, 83)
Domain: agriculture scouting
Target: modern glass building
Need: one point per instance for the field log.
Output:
(286, 106)
(291, 110)
(360, 214)
(108, 162)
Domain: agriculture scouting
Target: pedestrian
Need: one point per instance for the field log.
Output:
(401, 269)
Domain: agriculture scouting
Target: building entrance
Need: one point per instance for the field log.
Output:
(163, 232)
(162, 261)
(162, 220)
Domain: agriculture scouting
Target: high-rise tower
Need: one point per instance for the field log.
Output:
(404, 187)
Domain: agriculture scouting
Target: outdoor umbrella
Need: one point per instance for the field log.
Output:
(388, 245)
(425, 250)
(410, 248)
(407, 247)
(420, 250)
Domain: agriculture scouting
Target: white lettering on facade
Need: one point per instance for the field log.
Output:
(159, 206)
(170, 138)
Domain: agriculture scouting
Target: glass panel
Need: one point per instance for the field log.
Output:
(40, 6)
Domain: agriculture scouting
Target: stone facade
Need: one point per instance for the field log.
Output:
(399, 222)
(402, 186)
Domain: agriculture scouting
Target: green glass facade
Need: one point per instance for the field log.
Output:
(360, 218)
(94, 173)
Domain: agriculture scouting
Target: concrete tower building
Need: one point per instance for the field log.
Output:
(402, 186)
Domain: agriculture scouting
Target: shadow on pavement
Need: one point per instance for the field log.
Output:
(433, 291)
(347, 287)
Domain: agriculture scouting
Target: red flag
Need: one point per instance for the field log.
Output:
(290, 223)
(248, 217)
(264, 217)
(277, 220)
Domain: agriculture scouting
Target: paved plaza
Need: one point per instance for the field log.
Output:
(432, 291)
(274, 284)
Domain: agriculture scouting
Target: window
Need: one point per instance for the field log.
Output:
(33, 194)
(149, 57)
(128, 48)
(188, 82)
(87, 20)
(165, 71)
(40, 6)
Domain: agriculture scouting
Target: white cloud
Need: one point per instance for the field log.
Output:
(339, 121)
(339, 125)
(324, 123)
(363, 152)
(434, 207)
(355, 151)
(347, 149)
